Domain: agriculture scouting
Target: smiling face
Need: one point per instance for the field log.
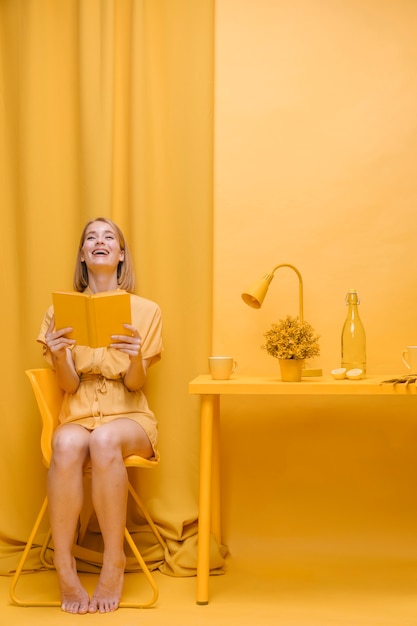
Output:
(103, 254)
(101, 248)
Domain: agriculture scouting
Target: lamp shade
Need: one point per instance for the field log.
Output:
(256, 294)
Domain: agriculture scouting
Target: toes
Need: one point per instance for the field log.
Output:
(74, 608)
(103, 606)
(70, 607)
(83, 609)
(93, 607)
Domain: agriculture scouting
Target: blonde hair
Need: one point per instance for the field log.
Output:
(125, 271)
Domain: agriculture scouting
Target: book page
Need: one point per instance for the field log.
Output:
(70, 310)
(108, 312)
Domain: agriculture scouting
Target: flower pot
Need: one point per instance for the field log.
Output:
(291, 370)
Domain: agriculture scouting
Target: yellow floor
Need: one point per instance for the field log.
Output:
(321, 530)
(305, 590)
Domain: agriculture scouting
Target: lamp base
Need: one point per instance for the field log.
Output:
(312, 372)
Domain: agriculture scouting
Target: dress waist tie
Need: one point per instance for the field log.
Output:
(100, 388)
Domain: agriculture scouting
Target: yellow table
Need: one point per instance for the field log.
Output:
(210, 392)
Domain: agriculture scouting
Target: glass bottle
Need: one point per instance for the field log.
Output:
(353, 335)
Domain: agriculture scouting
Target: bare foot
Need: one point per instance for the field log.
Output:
(74, 598)
(108, 593)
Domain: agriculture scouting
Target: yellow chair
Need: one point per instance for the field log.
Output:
(49, 398)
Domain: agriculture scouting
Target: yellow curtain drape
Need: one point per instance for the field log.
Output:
(106, 109)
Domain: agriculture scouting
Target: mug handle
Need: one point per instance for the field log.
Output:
(234, 367)
(404, 359)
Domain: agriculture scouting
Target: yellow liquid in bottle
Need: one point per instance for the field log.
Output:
(353, 336)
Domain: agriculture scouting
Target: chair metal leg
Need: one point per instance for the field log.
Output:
(22, 562)
(145, 569)
(146, 515)
(47, 564)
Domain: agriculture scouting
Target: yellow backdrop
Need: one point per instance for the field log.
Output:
(106, 109)
(315, 159)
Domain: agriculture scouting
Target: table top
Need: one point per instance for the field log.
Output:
(320, 385)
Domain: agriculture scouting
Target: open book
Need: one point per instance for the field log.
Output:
(93, 318)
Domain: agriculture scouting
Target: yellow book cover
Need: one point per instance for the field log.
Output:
(93, 318)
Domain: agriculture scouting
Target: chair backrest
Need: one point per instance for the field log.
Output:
(49, 397)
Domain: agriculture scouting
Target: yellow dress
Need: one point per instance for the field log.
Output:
(102, 396)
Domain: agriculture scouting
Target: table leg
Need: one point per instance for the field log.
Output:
(215, 474)
(206, 453)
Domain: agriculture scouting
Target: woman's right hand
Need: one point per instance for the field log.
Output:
(59, 345)
(56, 340)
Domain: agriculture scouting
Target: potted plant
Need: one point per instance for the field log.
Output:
(291, 341)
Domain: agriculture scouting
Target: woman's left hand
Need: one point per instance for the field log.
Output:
(129, 344)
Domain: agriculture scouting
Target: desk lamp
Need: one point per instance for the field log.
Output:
(254, 297)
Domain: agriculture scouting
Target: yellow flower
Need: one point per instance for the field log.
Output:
(291, 339)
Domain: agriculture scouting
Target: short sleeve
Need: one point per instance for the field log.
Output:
(42, 332)
(146, 316)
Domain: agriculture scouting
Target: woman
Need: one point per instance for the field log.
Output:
(104, 417)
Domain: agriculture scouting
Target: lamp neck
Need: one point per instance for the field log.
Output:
(300, 281)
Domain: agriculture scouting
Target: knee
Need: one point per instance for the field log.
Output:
(68, 449)
(104, 449)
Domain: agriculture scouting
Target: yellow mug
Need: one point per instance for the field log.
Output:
(221, 367)
(409, 358)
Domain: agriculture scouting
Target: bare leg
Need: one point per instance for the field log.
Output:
(108, 445)
(65, 496)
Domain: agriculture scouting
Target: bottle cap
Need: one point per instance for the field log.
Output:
(352, 297)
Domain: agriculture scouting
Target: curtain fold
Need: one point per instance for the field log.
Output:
(106, 108)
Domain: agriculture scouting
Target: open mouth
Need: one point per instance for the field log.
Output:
(100, 253)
